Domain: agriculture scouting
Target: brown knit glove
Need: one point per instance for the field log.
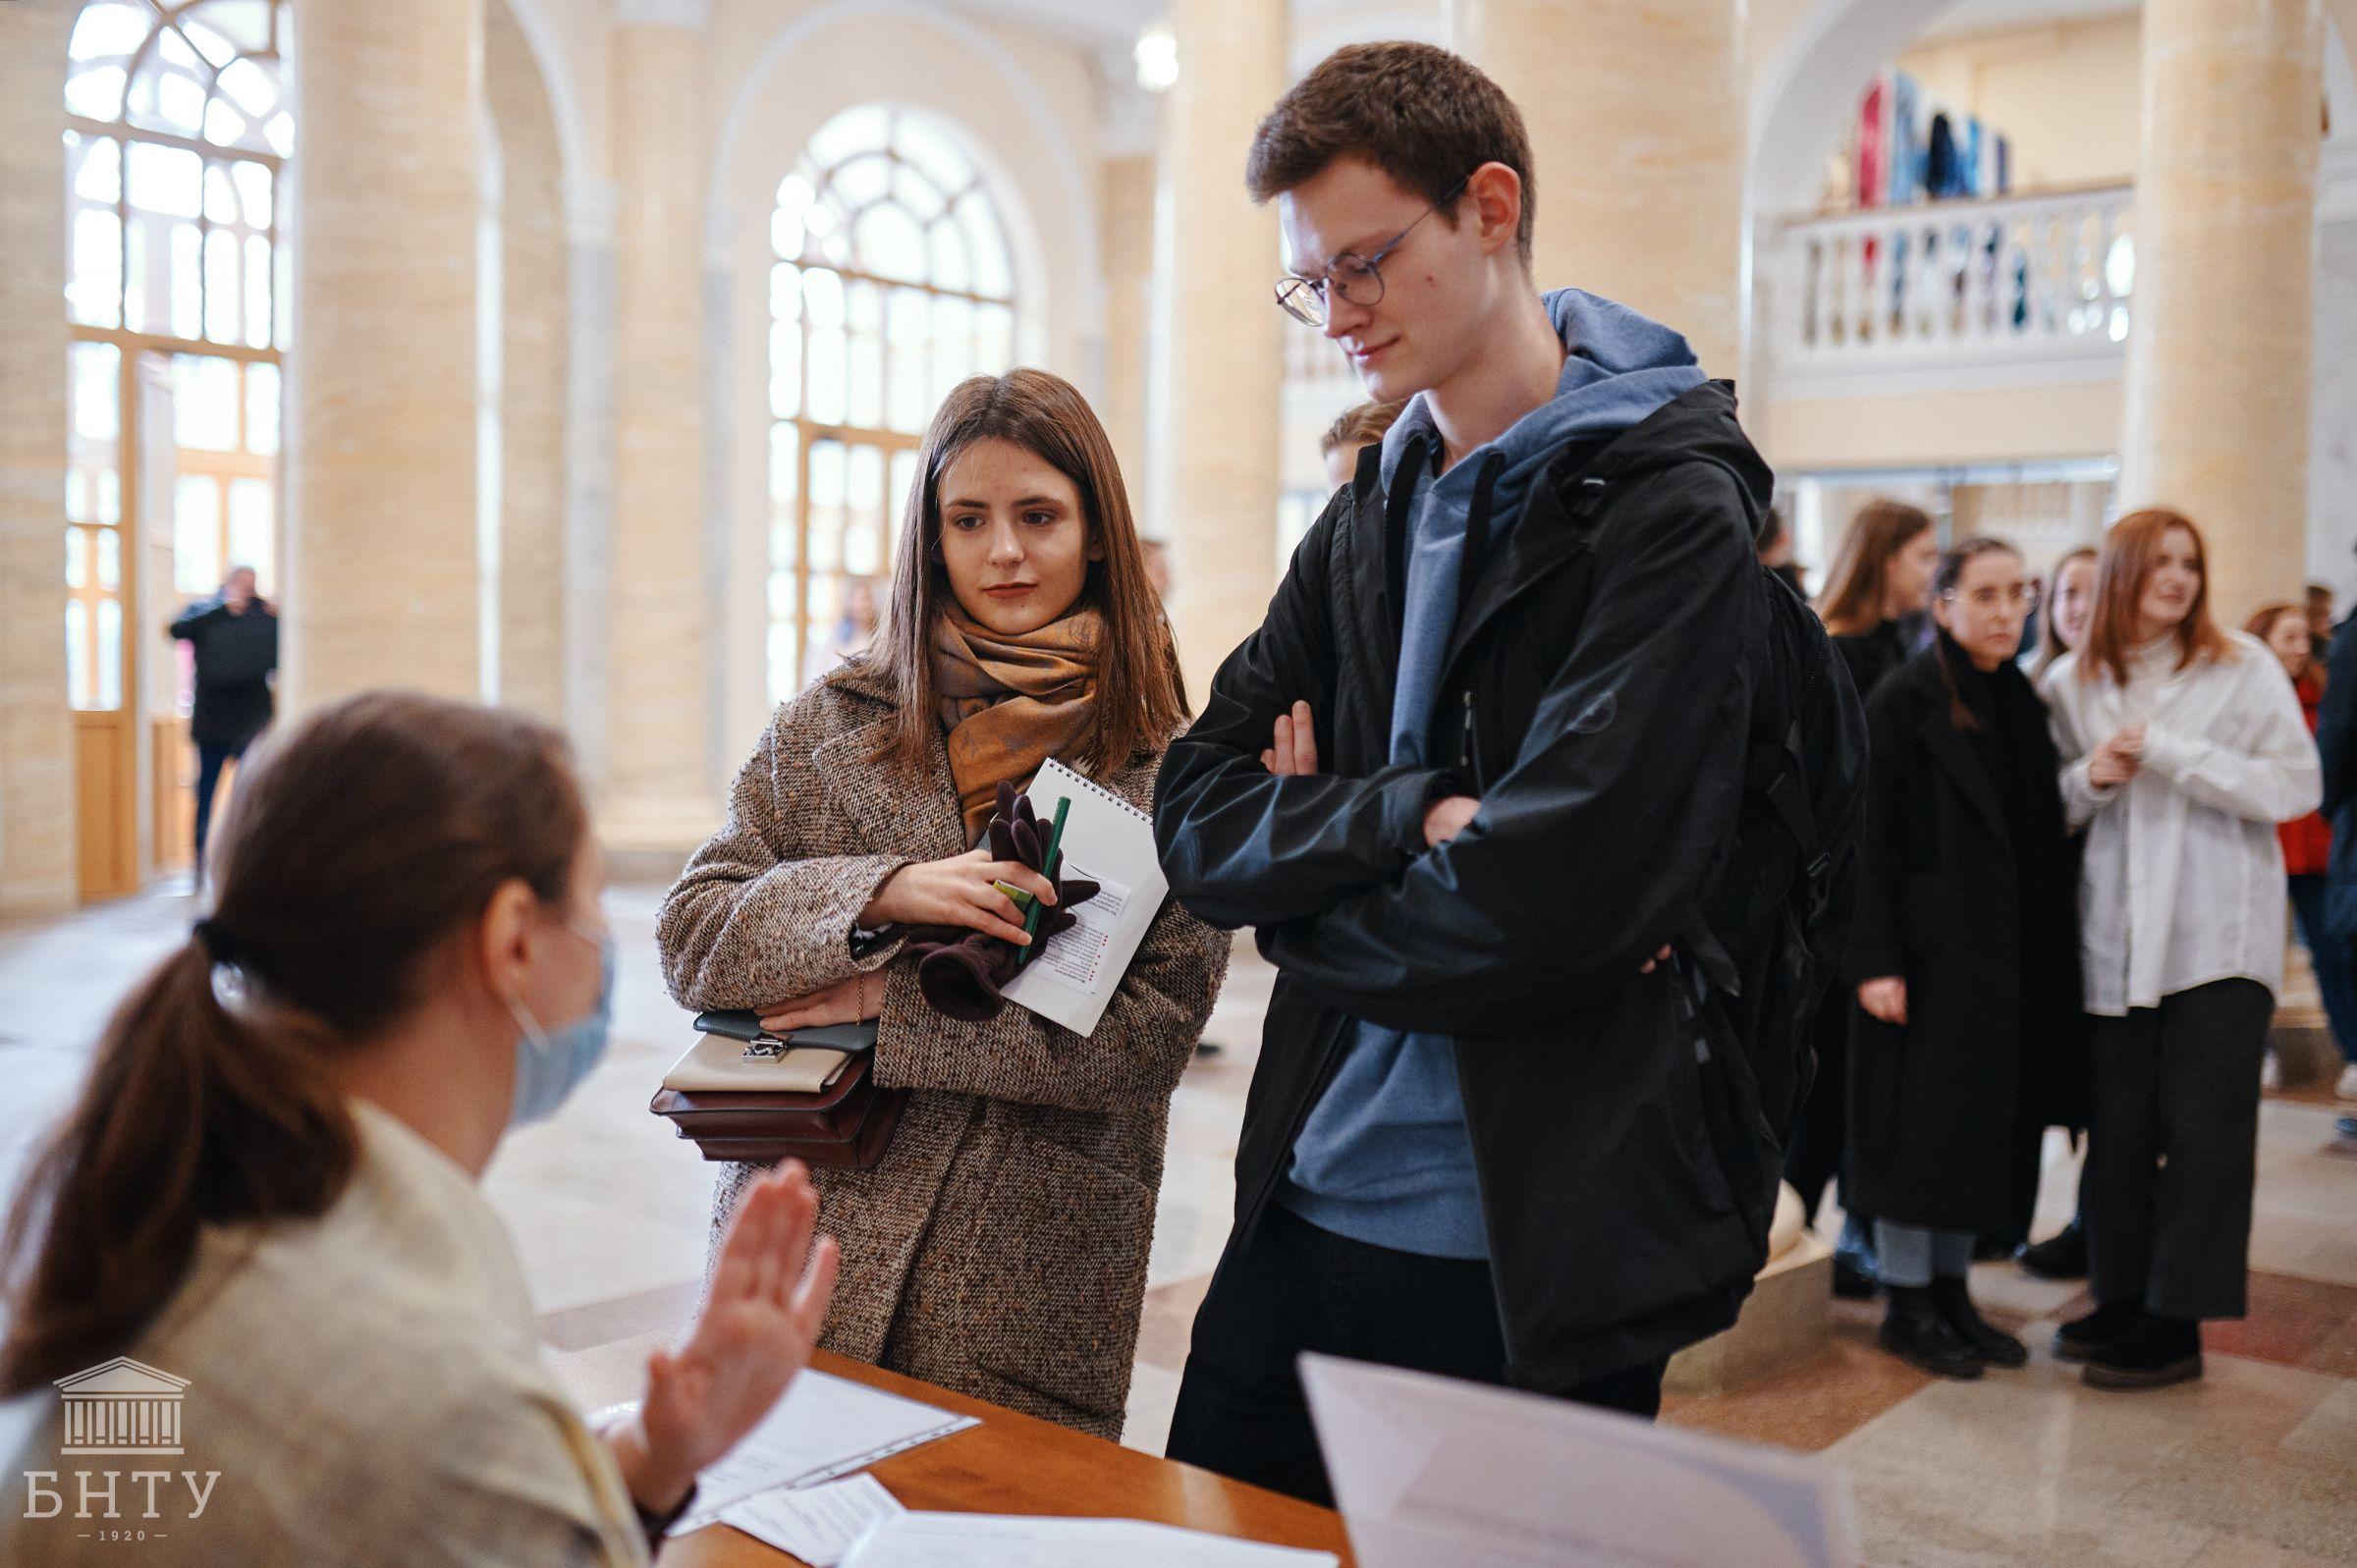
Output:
(962, 973)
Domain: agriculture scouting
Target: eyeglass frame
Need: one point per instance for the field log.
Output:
(1291, 287)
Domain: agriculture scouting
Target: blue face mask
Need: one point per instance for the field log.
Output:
(549, 1066)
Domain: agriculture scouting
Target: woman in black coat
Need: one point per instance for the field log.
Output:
(1873, 606)
(1965, 956)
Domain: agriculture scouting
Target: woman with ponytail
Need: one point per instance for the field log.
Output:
(268, 1185)
(1964, 957)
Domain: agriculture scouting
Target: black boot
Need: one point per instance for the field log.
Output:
(2154, 1353)
(2061, 1256)
(2082, 1338)
(1914, 1332)
(1994, 1345)
(1855, 1263)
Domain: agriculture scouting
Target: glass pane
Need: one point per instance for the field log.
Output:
(904, 475)
(217, 50)
(261, 408)
(97, 165)
(994, 329)
(942, 162)
(989, 250)
(166, 101)
(950, 270)
(786, 234)
(95, 93)
(891, 246)
(187, 285)
(77, 560)
(139, 245)
(782, 588)
(79, 682)
(244, 23)
(822, 293)
(110, 497)
(864, 403)
(109, 544)
(258, 292)
(166, 179)
(953, 343)
(220, 197)
(204, 403)
(851, 131)
(224, 127)
(910, 388)
(110, 28)
(785, 370)
(221, 291)
(861, 181)
(94, 290)
(252, 181)
(827, 464)
(784, 292)
(173, 50)
(782, 641)
(864, 540)
(784, 470)
(916, 193)
(109, 693)
(82, 500)
(248, 85)
(280, 133)
(252, 536)
(95, 385)
(197, 534)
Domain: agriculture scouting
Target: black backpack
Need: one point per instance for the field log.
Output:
(1778, 905)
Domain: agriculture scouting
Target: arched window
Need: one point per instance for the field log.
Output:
(176, 141)
(891, 284)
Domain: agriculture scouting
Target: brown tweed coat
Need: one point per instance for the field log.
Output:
(1000, 1246)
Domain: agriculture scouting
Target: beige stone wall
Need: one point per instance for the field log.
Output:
(1636, 117)
(382, 580)
(532, 381)
(2065, 94)
(37, 757)
(1127, 207)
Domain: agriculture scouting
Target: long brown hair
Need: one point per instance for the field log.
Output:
(1140, 697)
(1852, 602)
(1943, 647)
(357, 845)
(2129, 553)
(2261, 624)
(2049, 639)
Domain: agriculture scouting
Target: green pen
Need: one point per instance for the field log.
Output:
(1064, 809)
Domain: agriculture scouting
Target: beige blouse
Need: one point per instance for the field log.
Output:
(366, 1385)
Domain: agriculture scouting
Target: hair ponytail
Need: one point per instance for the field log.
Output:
(350, 851)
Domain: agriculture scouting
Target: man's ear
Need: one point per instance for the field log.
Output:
(1496, 193)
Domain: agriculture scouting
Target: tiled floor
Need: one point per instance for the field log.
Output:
(2254, 1466)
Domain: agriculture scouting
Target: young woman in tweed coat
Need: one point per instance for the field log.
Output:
(1000, 1246)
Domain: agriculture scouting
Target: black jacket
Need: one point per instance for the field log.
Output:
(2337, 745)
(1970, 895)
(236, 656)
(1596, 693)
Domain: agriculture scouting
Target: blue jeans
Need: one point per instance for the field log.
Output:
(1910, 1255)
(2335, 981)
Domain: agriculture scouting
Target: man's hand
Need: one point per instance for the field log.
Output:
(1448, 817)
(852, 1001)
(1294, 753)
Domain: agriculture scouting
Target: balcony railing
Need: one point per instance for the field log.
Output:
(2015, 281)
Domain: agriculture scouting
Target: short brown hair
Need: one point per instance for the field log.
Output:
(1425, 117)
(1360, 426)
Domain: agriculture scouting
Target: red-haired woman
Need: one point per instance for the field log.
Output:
(2182, 747)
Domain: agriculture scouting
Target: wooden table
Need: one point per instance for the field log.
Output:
(1014, 1464)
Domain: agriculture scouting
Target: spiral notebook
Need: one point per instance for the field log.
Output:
(1110, 843)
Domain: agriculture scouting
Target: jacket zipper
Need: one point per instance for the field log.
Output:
(1465, 758)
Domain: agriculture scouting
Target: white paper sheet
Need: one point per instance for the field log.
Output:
(1430, 1470)
(1074, 976)
(817, 1523)
(1077, 956)
(997, 1540)
(824, 1428)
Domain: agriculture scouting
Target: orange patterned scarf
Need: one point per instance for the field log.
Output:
(1010, 703)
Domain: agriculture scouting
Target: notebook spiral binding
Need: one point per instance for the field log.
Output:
(1080, 778)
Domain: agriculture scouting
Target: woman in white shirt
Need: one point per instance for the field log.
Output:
(2182, 746)
(267, 1191)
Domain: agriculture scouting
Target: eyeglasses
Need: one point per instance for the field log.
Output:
(1356, 278)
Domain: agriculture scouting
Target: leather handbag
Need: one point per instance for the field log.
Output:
(833, 1115)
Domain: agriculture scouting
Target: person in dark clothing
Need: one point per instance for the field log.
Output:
(1965, 956)
(1495, 1131)
(1873, 605)
(234, 636)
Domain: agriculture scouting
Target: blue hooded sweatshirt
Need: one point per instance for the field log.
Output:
(1384, 1156)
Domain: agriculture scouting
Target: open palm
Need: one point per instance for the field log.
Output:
(758, 1328)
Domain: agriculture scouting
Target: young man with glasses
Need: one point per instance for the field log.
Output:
(1467, 782)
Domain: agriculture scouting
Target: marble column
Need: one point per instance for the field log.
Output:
(2223, 316)
(532, 371)
(660, 795)
(382, 572)
(1637, 116)
(36, 736)
(1217, 263)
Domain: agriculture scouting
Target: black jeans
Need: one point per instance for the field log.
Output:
(2173, 1150)
(210, 760)
(1292, 1287)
